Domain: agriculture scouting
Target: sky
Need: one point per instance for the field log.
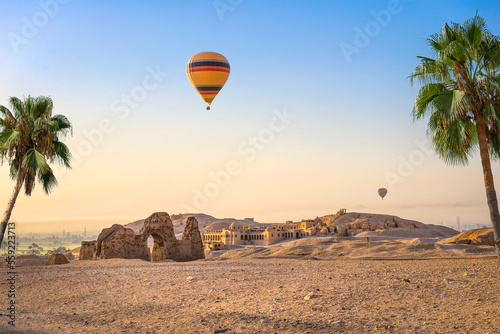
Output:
(315, 115)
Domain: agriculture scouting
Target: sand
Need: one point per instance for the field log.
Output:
(377, 247)
(248, 294)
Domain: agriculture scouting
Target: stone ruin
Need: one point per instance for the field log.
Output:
(121, 242)
(57, 259)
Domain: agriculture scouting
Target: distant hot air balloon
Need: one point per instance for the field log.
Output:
(382, 192)
(208, 72)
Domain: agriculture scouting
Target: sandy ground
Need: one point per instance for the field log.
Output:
(249, 294)
(377, 247)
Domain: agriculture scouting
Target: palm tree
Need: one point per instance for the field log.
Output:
(29, 140)
(461, 96)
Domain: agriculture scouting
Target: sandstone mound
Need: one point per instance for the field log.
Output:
(69, 255)
(354, 223)
(136, 225)
(330, 248)
(479, 236)
(76, 251)
(30, 260)
(427, 232)
(57, 259)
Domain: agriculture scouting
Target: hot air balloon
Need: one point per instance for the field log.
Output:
(382, 192)
(208, 72)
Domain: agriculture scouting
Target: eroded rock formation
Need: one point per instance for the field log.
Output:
(191, 238)
(353, 223)
(480, 236)
(121, 242)
(87, 250)
(57, 259)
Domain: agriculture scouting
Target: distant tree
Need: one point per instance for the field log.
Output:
(461, 98)
(58, 250)
(29, 140)
(35, 249)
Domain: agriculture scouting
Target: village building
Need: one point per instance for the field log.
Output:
(213, 246)
(237, 234)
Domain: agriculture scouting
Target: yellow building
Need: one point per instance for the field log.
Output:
(250, 235)
(214, 245)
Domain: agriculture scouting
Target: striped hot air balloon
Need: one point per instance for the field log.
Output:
(382, 192)
(208, 72)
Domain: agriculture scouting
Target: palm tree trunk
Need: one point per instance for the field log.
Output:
(12, 202)
(491, 195)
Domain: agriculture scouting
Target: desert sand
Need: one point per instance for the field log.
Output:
(316, 285)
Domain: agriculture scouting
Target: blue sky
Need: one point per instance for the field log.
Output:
(351, 125)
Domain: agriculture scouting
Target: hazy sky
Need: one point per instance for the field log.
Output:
(315, 115)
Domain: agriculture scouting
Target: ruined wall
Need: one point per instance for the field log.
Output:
(87, 250)
(121, 242)
(192, 238)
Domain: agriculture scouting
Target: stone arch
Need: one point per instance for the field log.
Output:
(157, 253)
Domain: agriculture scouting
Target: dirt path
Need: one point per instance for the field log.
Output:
(259, 296)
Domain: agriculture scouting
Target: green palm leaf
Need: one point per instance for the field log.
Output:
(35, 162)
(9, 137)
(48, 181)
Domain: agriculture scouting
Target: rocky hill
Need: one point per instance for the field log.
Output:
(383, 224)
(479, 236)
(205, 222)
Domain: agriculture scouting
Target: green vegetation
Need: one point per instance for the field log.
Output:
(41, 248)
(29, 140)
(461, 97)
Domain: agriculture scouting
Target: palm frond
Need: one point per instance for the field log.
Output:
(423, 103)
(17, 107)
(42, 106)
(9, 121)
(29, 182)
(35, 162)
(453, 141)
(474, 29)
(454, 102)
(61, 124)
(61, 153)
(430, 71)
(494, 143)
(48, 180)
(9, 137)
(14, 169)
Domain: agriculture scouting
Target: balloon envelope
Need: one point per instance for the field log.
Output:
(208, 72)
(382, 192)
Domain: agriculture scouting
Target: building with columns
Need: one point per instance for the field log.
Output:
(236, 234)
